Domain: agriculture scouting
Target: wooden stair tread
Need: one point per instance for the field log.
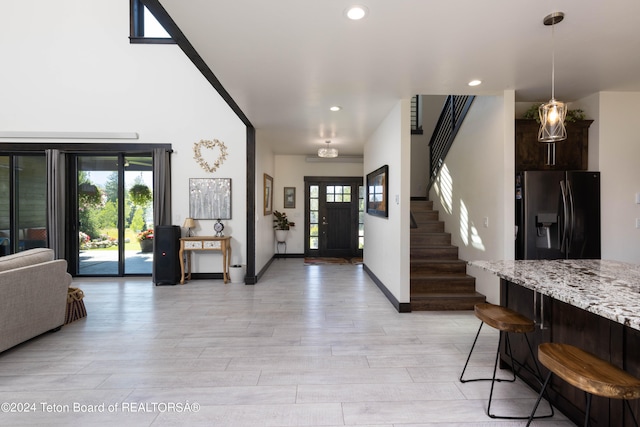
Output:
(452, 276)
(446, 295)
(588, 372)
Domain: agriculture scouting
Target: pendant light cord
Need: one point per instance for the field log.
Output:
(553, 63)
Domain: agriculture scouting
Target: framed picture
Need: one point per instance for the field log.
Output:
(268, 195)
(210, 198)
(289, 197)
(378, 192)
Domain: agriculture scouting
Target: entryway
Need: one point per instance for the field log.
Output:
(334, 216)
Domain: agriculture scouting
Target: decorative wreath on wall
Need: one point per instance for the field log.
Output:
(197, 154)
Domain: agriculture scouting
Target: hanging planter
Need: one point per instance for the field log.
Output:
(89, 195)
(140, 194)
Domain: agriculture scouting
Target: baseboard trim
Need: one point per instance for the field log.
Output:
(288, 256)
(402, 307)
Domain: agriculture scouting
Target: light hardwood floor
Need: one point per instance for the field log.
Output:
(306, 346)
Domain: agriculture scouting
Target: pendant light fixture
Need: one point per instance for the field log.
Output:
(327, 152)
(553, 113)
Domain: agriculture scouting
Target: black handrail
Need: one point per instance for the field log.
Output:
(453, 113)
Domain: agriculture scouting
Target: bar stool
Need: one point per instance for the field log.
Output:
(506, 321)
(588, 373)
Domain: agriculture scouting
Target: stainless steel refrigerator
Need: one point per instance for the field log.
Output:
(557, 215)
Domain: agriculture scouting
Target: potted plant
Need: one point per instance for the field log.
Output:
(281, 225)
(145, 238)
(140, 194)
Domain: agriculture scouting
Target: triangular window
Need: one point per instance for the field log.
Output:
(145, 28)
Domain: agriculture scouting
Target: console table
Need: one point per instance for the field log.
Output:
(205, 243)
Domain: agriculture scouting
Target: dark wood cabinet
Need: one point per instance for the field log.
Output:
(564, 323)
(570, 154)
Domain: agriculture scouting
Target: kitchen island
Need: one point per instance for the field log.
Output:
(592, 304)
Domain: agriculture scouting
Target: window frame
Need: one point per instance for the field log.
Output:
(136, 26)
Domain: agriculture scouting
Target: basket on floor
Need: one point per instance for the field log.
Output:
(75, 305)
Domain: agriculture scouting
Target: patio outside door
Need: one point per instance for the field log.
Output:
(108, 220)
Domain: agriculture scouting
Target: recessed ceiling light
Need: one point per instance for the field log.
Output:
(335, 108)
(356, 12)
(475, 83)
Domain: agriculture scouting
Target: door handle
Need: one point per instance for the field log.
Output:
(324, 221)
(565, 211)
(572, 211)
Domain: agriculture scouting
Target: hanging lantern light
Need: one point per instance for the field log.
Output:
(553, 113)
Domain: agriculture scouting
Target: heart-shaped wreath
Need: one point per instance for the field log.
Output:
(197, 151)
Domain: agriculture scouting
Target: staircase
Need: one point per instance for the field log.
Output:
(439, 280)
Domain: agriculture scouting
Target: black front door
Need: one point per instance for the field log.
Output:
(333, 216)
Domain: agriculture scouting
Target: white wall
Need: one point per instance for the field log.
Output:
(476, 185)
(290, 172)
(386, 243)
(70, 67)
(616, 140)
(265, 239)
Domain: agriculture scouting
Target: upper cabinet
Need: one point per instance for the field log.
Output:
(570, 154)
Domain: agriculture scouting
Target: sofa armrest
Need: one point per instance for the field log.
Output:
(33, 301)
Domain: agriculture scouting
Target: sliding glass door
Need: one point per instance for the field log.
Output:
(114, 209)
(23, 203)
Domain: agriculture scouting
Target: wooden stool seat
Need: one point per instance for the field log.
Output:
(587, 372)
(503, 319)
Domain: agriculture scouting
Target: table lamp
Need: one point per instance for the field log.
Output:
(189, 223)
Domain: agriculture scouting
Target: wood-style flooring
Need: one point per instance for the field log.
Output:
(306, 346)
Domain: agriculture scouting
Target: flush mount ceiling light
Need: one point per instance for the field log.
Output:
(335, 108)
(356, 12)
(327, 152)
(475, 82)
(553, 113)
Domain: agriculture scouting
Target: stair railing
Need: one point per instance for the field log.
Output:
(416, 115)
(453, 113)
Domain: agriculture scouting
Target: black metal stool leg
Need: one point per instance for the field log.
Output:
(469, 356)
(633, 417)
(493, 380)
(542, 391)
(462, 380)
(513, 368)
(588, 410)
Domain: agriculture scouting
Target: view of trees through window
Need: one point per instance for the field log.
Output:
(98, 210)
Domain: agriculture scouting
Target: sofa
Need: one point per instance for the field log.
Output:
(33, 295)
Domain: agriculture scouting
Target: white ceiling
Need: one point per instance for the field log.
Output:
(285, 62)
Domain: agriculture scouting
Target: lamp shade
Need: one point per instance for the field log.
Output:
(552, 116)
(327, 152)
(189, 223)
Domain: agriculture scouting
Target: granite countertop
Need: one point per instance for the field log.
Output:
(610, 289)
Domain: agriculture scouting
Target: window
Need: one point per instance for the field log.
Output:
(314, 216)
(23, 203)
(145, 28)
(339, 194)
(361, 196)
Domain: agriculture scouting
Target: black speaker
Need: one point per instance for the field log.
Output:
(166, 247)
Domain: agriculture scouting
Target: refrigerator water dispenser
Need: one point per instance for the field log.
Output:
(544, 224)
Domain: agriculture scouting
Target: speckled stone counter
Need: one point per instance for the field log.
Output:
(610, 289)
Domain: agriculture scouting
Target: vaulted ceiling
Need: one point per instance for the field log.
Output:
(285, 62)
